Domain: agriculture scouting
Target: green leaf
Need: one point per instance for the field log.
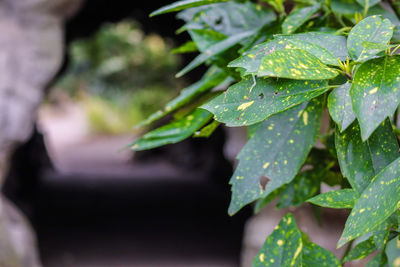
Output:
(254, 99)
(276, 152)
(379, 260)
(303, 186)
(211, 79)
(393, 252)
(373, 29)
(368, 3)
(314, 256)
(374, 50)
(173, 132)
(207, 130)
(297, 18)
(337, 199)
(361, 251)
(375, 92)
(184, 4)
(361, 161)
(283, 247)
(335, 44)
(339, 104)
(310, 41)
(320, 52)
(214, 50)
(204, 38)
(295, 64)
(187, 47)
(229, 18)
(377, 202)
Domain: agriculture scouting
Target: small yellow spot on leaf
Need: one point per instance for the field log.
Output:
(373, 91)
(262, 255)
(305, 117)
(266, 165)
(245, 105)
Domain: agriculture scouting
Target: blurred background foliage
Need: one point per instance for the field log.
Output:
(120, 76)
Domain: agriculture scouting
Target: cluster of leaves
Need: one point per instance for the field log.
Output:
(289, 62)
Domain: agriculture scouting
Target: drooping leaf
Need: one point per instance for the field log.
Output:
(373, 29)
(283, 247)
(377, 202)
(254, 99)
(361, 250)
(173, 132)
(229, 18)
(303, 186)
(393, 252)
(361, 161)
(295, 64)
(214, 50)
(204, 38)
(187, 47)
(297, 18)
(276, 152)
(339, 104)
(337, 199)
(375, 92)
(183, 4)
(207, 130)
(314, 256)
(211, 79)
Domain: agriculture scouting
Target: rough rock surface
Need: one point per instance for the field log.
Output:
(31, 52)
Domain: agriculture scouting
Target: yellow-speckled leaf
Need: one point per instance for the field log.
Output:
(375, 92)
(316, 256)
(361, 251)
(297, 18)
(295, 64)
(283, 247)
(377, 202)
(361, 161)
(275, 153)
(373, 29)
(337, 199)
(340, 108)
(253, 100)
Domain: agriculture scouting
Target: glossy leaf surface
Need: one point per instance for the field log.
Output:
(283, 247)
(295, 64)
(373, 29)
(275, 153)
(297, 18)
(375, 92)
(254, 99)
(340, 108)
(336, 199)
(377, 202)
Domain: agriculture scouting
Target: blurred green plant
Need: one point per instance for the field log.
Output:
(120, 75)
